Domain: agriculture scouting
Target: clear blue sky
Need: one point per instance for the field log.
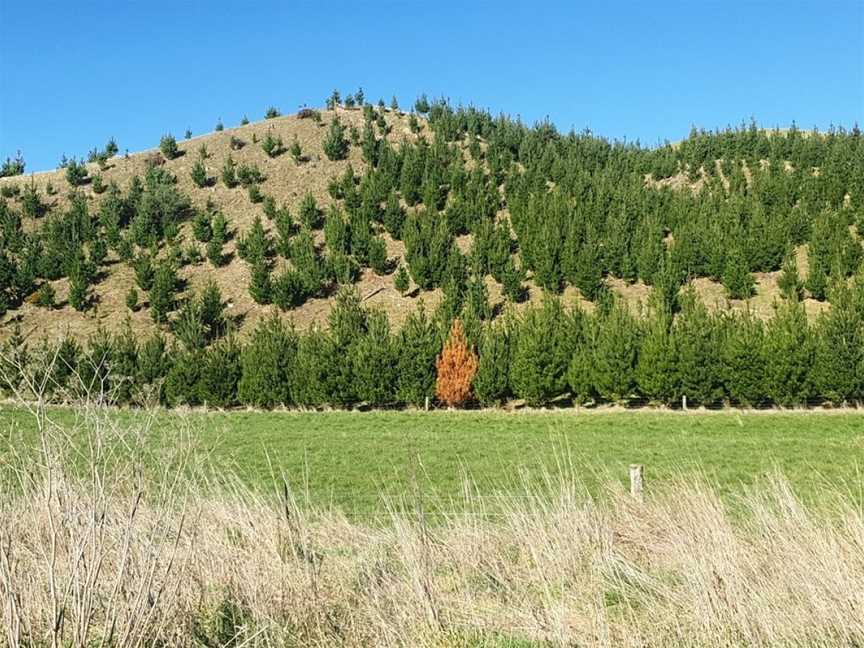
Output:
(74, 73)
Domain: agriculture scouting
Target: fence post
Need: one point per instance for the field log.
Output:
(636, 471)
(684, 402)
(426, 405)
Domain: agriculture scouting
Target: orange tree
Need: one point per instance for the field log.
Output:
(456, 367)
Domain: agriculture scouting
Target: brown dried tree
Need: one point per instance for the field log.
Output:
(456, 367)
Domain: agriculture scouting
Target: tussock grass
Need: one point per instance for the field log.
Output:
(106, 557)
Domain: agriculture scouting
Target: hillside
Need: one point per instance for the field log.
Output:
(725, 268)
(288, 182)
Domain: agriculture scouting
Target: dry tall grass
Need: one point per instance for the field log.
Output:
(101, 556)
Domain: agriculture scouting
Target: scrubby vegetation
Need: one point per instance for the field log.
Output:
(538, 209)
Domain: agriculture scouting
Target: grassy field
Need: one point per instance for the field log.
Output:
(541, 565)
(356, 461)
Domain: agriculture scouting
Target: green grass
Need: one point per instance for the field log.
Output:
(351, 460)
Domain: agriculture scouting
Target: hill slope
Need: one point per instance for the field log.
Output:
(287, 183)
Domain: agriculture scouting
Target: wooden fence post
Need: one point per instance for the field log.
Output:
(636, 472)
(426, 406)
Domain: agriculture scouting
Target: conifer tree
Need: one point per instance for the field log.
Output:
(220, 374)
(588, 272)
(373, 359)
(272, 145)
(335, 145)
(838, 372)
(394, 216)
(789, 282)
(266, 364)
(296, 151)
(492, 381)
(615, 355)
(229, 173)
(455, 368)
(742, 360)
(163, 293)
(736, 275)
(168, 147)
(260, 286)
(79, 290)
(789, 355)
(199, 174)
(418, 347)
(697, 342)
(542, 350)
(512, 281)
(132, 299)
(377, 255)
(310, 214)
(402, 281)
(656, 370)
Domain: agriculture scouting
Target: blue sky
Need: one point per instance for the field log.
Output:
(73, 74)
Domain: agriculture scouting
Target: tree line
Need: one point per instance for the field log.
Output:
(546, 353)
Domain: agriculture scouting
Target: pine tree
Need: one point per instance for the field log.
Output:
(615, 355)
(377, 255)
(163, 293)
(542, 349)
(184, 374)
(199, 174)
(132, 299)
(221, 371)
(789, 355)
(287, 290)
(260, 286)
(394, 216)
(402, 282)
(789, 282)
(296, 151)
(656, 369)
(255, 246)
(373, 359)
(201, 226)
(47, 297)
(736, 275)
(310, 214)
(492, 381)
(79, 290)
(667, 285)
(588, 273)
(455, 368)
(417, 348)
(512, 280)
(335, 145)
(267, 363)
(839, 336)
(272, 145)
(168, 147)
(697, 344)
(229, 173)
(742, 360)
